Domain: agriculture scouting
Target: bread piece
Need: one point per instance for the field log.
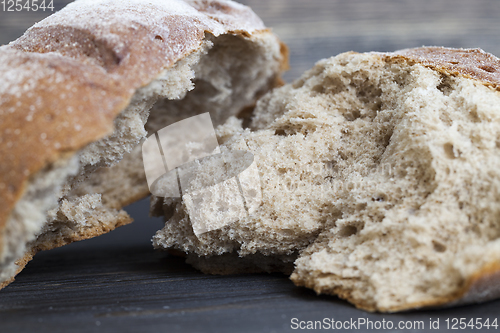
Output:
(76, 94)
(381, 171)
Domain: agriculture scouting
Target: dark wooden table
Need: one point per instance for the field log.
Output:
(118, 283)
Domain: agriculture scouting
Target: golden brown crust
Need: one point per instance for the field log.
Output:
(285, 56)
(67, 78)
(308, 280)
(470, 63)
(21, 263)
(68, 236)
(483, 285)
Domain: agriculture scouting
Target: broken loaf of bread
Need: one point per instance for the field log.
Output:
(82, 88)
(380, 179)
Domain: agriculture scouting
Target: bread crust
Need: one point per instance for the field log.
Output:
(473, 64)
(482, 286)
(68, 77)
(70, 236)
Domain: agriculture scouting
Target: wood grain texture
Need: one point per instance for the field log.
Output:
(117, 283)
(318, 29)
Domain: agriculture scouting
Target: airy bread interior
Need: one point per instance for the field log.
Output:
(224, 76)
(380, 174)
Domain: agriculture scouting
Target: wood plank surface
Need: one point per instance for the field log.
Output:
(316, 29)
(118, 283)
(319, 29)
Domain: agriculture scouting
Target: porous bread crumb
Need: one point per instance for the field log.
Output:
(208, 92)
(30, 213)
(111, 172)
(166, 100)
(381, 171)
